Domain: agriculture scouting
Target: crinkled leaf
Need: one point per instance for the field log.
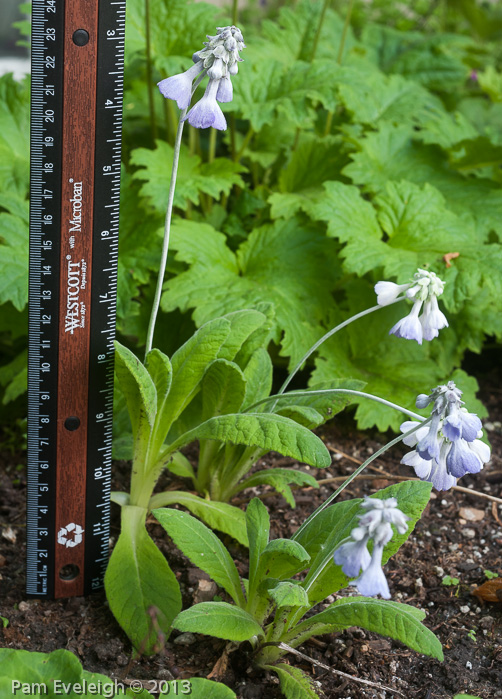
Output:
(264, 430)
(295, 684)
(398, 621)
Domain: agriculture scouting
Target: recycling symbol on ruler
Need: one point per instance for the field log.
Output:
(71, 535)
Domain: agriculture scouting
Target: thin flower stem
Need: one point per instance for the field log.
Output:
(167, 231)
(329, 119)
(212, 145)
(235, 12)
(167, 224)
(149, 71)
(245, 143)
(329, 391)
(327, 336)
(374, 456)
(319, 28)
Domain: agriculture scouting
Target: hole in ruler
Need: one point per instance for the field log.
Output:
(72, 423)
(80, 37)
(69, 572)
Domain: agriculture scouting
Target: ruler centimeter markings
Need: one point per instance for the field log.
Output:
(76, 119)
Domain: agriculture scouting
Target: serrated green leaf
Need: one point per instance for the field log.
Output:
(14, 135)
(138, 577)
(13, 260)
(203, 548)
(218, 619)
(155, 166)
(218, 515)
(398, 621)
(291, 265)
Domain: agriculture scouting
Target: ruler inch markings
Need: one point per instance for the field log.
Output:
(70, 362)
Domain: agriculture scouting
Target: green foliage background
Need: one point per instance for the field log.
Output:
(352, 155)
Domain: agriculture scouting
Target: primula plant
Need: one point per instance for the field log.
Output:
(216, 389)
(288, 577)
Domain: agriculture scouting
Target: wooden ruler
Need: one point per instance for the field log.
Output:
(76, 112)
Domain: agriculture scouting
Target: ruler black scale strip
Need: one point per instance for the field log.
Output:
(76, 124)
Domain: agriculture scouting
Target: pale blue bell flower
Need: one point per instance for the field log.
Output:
(225, 90)
(179, 87)
(207, 111)
(409, 327)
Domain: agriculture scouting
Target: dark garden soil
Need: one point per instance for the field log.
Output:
(460, 535)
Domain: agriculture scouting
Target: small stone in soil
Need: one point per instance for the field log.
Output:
(185, 639)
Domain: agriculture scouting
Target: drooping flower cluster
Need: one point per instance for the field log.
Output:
(353, 554)
(423, 290)
(218, 60)
(449, 446)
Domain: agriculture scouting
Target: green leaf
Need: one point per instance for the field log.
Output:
(203, 548)
(180, 466)
(5, 621)
(398, 621)
(313, 161)
(141, 398)
(289, 594)
(264, 430)
(159, 367)
(282, 558)
(14, 135)
(287, 263)
(258, 374)
(246, 326)
(201, 688)
(258, 530)
(45, 669)
(390, 154)
(325, 404)
(218, 515)
(279, 478)
(223, 389)
(138, 577)
(13, 260)
(218, 619)
(189, 365)
(295, 684)
(155, 167)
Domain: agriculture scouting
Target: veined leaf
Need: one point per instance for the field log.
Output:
(203, 548)
(218, 515)
(398, 621)
(189, 365)
(258, 375)
(140, 395)
(138, 577)
(223, 389)
(289, 264)
(219, 619)
(264, 430)
(295, 684)
(155, 166)
(13, 260)
(289, 594)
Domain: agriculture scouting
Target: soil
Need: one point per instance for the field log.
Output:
(459, 535)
